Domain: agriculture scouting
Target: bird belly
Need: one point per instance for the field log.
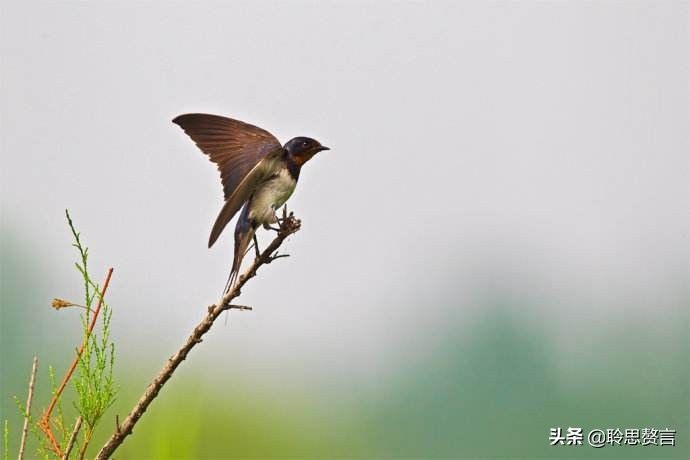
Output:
(270, 196)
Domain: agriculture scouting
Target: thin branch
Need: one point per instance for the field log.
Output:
(27, 415)
(85, 444)
(231, 307)
(72, 438)
(290, 226)
(44, 423)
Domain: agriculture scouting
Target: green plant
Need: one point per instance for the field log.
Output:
(94, 384)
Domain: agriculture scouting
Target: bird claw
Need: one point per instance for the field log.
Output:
(281, 221)
(286, 224)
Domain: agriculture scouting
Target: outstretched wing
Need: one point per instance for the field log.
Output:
(245, 156)
(264, 169)
(234, 146)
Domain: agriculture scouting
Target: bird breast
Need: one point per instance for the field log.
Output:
(271, 195)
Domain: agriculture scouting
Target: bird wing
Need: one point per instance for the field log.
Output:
(245, 156)
(234, 146)
(258, 174)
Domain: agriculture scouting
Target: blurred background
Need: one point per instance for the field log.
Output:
(497, 243)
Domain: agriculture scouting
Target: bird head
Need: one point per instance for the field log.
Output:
(302, 149)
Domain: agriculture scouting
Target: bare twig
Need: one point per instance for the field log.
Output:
(27, 415)
(85, 444)
(231, 307)
(44, 423)
(72, 438)
(289, 226)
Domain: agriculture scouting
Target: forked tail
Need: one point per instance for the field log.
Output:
(244, 232)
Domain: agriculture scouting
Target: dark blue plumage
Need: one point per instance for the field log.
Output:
(258, 174)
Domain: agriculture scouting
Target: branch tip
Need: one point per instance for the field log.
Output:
(289, 226)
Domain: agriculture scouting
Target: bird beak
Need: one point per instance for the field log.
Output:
(322, 148)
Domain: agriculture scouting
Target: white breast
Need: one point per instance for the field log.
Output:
(272, 195)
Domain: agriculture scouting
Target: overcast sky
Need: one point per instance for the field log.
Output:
(540, 145)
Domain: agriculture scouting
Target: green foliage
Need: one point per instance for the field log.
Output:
(42, 450)
(59, 417)
(94, 384)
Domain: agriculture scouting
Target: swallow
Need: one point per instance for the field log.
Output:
(257, 173)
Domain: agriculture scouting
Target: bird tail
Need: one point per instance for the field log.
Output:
(244, 232)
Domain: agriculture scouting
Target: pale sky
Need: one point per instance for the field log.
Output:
(541, 146)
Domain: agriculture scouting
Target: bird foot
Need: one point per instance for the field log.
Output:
(286, 224)
(278, 220)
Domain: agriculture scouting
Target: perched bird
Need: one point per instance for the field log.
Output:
(256, 171)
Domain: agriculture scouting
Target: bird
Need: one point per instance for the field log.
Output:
(257, 172)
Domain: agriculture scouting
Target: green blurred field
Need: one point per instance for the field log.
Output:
(494, 392)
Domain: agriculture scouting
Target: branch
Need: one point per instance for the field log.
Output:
(72, 438)
(27, 415)
(289, 226)
(44, 423)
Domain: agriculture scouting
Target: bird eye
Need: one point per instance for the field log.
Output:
(304, 144)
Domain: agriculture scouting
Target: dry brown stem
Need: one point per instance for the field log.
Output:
(289, 226)
(72, 438)
(27, 415)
